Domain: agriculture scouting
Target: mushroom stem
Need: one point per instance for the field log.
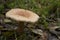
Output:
(20, 29)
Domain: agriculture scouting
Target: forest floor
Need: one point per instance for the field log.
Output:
(47, 27)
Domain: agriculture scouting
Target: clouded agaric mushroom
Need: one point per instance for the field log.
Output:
(22, 15)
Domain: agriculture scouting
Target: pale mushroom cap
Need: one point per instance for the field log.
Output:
(22, 15)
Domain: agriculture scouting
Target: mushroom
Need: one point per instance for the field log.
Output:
(21, 16)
